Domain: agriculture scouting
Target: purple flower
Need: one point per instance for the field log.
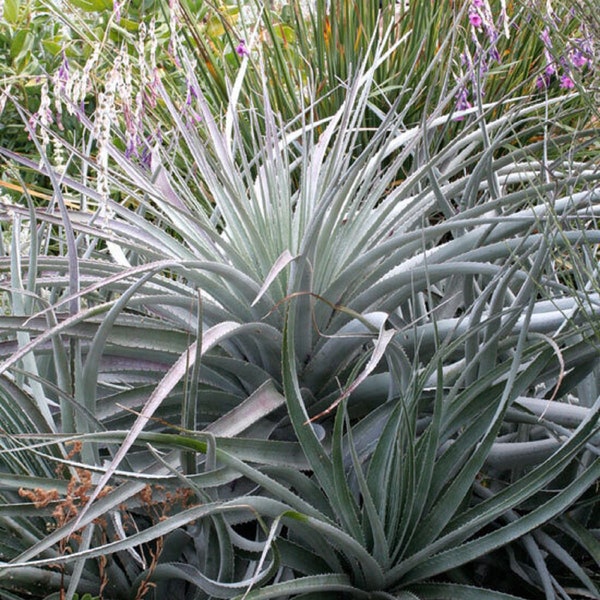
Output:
(192, 93)
(462, 102)
(146, 158)
(542, 82)
(117, 10)
(475, 19)
(495, 55)
(578, 59)
(131, 147)
(241, 49)
(566, 82)
(545, 37)
(63, 72)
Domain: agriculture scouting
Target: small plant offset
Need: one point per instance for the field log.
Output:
(338, 339)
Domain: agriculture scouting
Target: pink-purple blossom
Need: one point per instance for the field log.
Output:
(566, 82)
(462, 102)
(192, 92)
(117, 10)
(578, 59)
(542, 82)
(62, 75)
(545, 37)
(475, 19)
(242, 49)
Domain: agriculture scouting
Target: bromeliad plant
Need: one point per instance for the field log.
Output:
(369, 370)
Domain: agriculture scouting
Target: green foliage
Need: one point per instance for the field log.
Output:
(265, 352)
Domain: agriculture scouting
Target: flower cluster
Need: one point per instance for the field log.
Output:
(576, 57)
(60, 80)
(485, 33)
(174, 19)
(118, 101)
(43, 118)
(564, 62)
(106, 113)
(117, 7)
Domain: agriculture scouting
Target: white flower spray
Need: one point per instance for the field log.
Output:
(106, 113)
(78, 84)
(174, 19)
(41, 120)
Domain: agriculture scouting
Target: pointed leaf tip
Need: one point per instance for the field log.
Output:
(283, 261)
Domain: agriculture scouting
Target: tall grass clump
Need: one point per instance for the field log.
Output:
(315, 341)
